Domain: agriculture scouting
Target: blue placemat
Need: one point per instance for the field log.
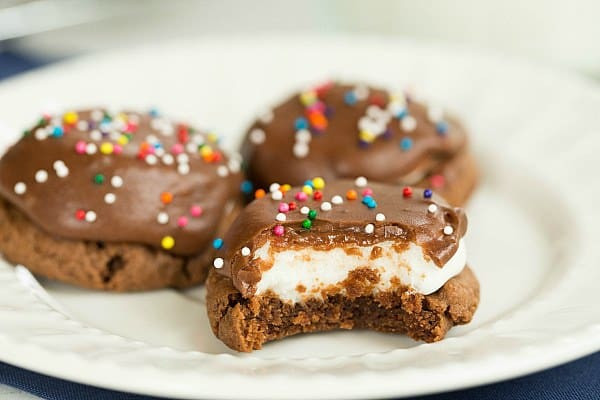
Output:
(576, 380)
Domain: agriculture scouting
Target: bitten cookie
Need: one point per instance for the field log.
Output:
(342, 255)
(126, 201)
(342, 131)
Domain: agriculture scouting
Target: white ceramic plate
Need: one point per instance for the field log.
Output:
(534, 225)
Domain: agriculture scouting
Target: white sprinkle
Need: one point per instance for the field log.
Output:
(62, 172)
(20, 188)
(222, 171)
(183, 158)
(326, 206)
(90, 216)
(184, 169)
(435, 113)
(337, 199)
(134, 118)
(303, 136)
(361, 181)
(432, 208)
(198, 139)
(361, 92)
(257, 136)
(408, 123)
(300, 150)
(168, 159)
(151, 159)
(162, 218)
(280, 217)
(167, 129)
(109, 198)
(91, 148)
(370, 228)
(274, 187)
(191, 147)
(380, 217)
(448, 230)
(151, 139)
(245, 251)
(234, 165)
(95, 135)
(159, 152)
(277, 195)
(58, 164)
(41, 176)
(40, 134)
(218, 263)
(97, 115)
(116, 181)
(266, 117)
(304, 210)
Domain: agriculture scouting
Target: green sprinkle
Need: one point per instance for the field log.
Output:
(26, 133)
(98, 179)
(312, 214)
(307, 224)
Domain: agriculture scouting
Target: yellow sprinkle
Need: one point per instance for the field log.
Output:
(366, 136)
(212, 137)
(70, 118)
(122, 117)
(123, 140)
(307, 189)
(106, 148)
(205, 151)
(318, 182)
(285, 188)
(309, 97)
(167, 242)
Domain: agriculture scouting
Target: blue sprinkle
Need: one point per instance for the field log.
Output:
(246, 187)
(441, 127)
(406, 143)
(301, 123)
(218, 243)
(372, 204)
(157, 145)
(57, 131)
(350, 98)
(309, 183)
(153, 112)
(427, 193)
(367, 199)
(402, 113)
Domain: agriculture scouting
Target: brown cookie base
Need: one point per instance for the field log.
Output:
(95, 265)
(246, 324)
(460, 178)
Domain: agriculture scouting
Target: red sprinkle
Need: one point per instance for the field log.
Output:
(377, 100)
(407, 192)
(292, 205)
(317, 195)
(183, 134)
(80, 214)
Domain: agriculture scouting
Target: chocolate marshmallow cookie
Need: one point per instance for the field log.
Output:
(344, 255)
(123, 201)
(342, 131)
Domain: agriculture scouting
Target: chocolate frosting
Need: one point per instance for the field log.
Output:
(152, 157)
(399, 155)
(407, 220)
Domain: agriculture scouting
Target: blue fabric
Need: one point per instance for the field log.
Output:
(576, 380)
(12, 63)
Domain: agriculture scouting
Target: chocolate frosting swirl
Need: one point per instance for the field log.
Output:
(407, 220)
(337, 150)
(108, 177)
